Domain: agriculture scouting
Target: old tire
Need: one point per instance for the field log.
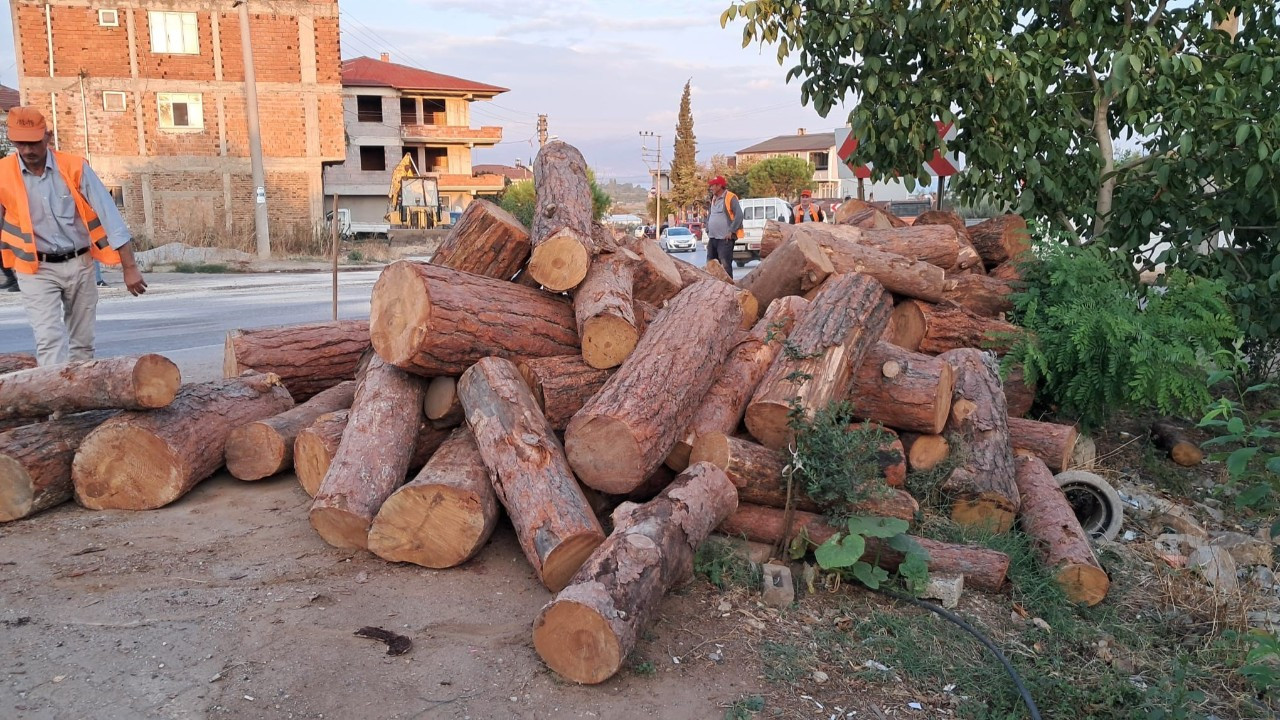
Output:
(1096, 504)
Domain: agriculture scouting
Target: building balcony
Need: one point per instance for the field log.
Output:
(452, 134)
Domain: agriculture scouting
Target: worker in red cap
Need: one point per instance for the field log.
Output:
(724, 223)
(56, 219)
(806, 211)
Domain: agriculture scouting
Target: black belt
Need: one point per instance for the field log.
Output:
(719, 239)
(61, 257)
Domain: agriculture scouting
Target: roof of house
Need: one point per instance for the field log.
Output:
(9, 98)
(367, 72)
(793, 143)
(515, 173)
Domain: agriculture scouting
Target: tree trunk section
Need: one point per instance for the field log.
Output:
(1018, 394)
(307, 358)
(891, 457)
(317, 445)
(979, 294)
(898, 275)
(982, 487)
(935, 329)
(35, 463)
(434, 321)
(586, 633)
(445, 515)
(775, 235)
(760, 476)
(530, 474)
(691, 275)
(1051, 442)
(902, 389)
(796, 268)
(373, 458)
(1000, 239)
(1007, 271)
(142, 460)
(561, 385)
(12, 362)
(144, 382)
(1170, 437)
(968, 261)
(440, 404)
(924, 452)
(486, 240)
(626, 430)
(656, 277)
(561, 234)
(1061, 544)
(982, 568)
(829, 340)
(939, 246)
(265, 447)
(602, 305)
(725, 403)
(865, 215)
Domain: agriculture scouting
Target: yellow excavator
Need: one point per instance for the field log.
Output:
(413, 200)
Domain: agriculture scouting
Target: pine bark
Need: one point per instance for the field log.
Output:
(307, 358)
(1053, 443)
(1061, 544)
(691, 275)
(12, 362)
(530, 474)
(968, 261)
(1170, 437)
(830, 339)
(317, 445)
(902, 389)
(563, 246)
(924, 452)
(775, 235)
(434, 321)
(982, 487)
(440, 404)
(626, 430)
(1019, 395)
(656, 277)
(899, 275)
(935, 329)
(602, 306)
(35, 463)
(1000, 239)
(796, 268)
(562, 384)
(265, 447)
(146, 459)
(586, 633)
(486, 240)
(939, 246)
(865, 215)
(132, 383)
(980, 294)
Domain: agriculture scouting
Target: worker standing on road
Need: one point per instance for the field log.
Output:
(806, 211)
(57, 218)
(724, 223)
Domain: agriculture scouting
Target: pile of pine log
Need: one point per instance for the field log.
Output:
(618, 405)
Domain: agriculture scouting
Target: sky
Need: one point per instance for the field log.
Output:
(602, 71)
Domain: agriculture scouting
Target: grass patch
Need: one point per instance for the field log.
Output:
(644, 668)
(204, 268)
(745, 708)
(786, 663)
(720, 563)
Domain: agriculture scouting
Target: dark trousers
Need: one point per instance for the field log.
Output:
(721, 249)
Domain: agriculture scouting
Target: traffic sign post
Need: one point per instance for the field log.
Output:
(941, 165)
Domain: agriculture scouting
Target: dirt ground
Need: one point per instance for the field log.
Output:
(227, 605)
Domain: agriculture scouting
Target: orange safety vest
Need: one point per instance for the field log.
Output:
(813, 213)
(18, 241)
(728, 209)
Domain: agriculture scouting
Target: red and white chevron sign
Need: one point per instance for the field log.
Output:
(939, 165)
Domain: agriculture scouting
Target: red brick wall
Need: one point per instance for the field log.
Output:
(78, 43)
(328, 51)
(180, 142)
(275, 48)
(171, 66)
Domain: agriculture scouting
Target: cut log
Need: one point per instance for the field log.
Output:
(562, 384)
(656, 277)
(133, 383)
(979, 294)
(12, 362)
(445, 515)
(434, 321)
(898, 275)
(935, 329)
(440, 404)
(716, 270)
(1008, 271)
(924, 452)
(307, 358)
(1000, 239)
(775, 235)
(760, 476)
(747, 300)
(1061, 544)
(142, 460)
(1051, 442)
(316, 446)
(831, 338)
(936, 245)
(373, 457)
(602, 305)
(589, 629)
(865, 215)
(891, 456)
(968, 261)
(902, 389)
(796, 268)
(1019, 395)
(486, 240)
(561, 234)
(265, 447)
(35, 463)
(552, 519)
(982, 487)
(725, 403)
(1171, 437)
(982, 568)
(626, 430)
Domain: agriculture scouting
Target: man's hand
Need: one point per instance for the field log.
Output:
(133, 280)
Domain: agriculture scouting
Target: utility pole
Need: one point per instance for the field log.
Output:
(255, 136)
(542, 130)
(654, 156)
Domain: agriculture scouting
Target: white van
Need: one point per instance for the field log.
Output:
(755, 211)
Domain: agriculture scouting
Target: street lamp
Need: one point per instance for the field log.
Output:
(657, 184)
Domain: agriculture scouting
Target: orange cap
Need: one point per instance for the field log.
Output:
(806, 193)
(26, 124)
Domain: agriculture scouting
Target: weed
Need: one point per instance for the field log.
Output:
(208, 268)
(837, 461)
(719, 562)
(786, 663)
(744, 708)
(355, 256)
(644, 668)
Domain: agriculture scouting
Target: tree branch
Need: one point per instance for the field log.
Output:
(1155, 15)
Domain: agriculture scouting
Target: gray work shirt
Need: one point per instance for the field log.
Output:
(719, 226)
(57, 226)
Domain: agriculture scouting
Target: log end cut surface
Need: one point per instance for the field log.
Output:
(156, 380)
(1084, 584)
(400, 314)
(124, 468)
(255, 451)
(607, 341)
(560, 262)
(575, 641)
(17, 493)
(769, 422)
(310, 462)
(456, 519)
(567, 557)
(989, 512)
(340, 528)
(604, 455)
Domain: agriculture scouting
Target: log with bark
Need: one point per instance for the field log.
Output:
(1000, 239)
(865, 215)
(486, 240)
(14, 361)
(374, 456)
(691, 275)
(445, 515)
(316, 446)
(1018, 394)
(891, 455)
(562, 384)
(307, 358)
(1169, 435)
(142, 460)
(531, 476)
(982, 568)
(35, 463)
(796, 267)
(627, 429)
(902, 389)
(440, 404)
(725, 403)
(968, 261)
(980, 294)
(656, 277)
(1009, 271)
(143, 382)
(935, 329)
(265, 447)
(936, 245)
(562, 232)
(775, 235)
(760, 476)
(589, 629)
(602, 306)
(982, 488)
(435, 321)
(924, 452)
(831, 338)
(1061, 544)
(898, 275)
(1053, 443)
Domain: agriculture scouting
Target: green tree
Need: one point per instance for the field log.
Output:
(783, 176)
(687, 189)
(520, 199)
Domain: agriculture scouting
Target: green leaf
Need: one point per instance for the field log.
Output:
(1239, 460)
(915, 570)
(1131, 97)
(872, 82)
(1273, 465)
(1235, 426)
(1253, 177)
(905, 544)
(1275, 529)
(1242, 134)
(869, 575)
(877, 527)
(1253, 496)
(840, 551)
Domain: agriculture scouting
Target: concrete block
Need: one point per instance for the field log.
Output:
(946, 589)
(779, 590)
(751, 551)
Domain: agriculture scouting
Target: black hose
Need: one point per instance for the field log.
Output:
(948, 615)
